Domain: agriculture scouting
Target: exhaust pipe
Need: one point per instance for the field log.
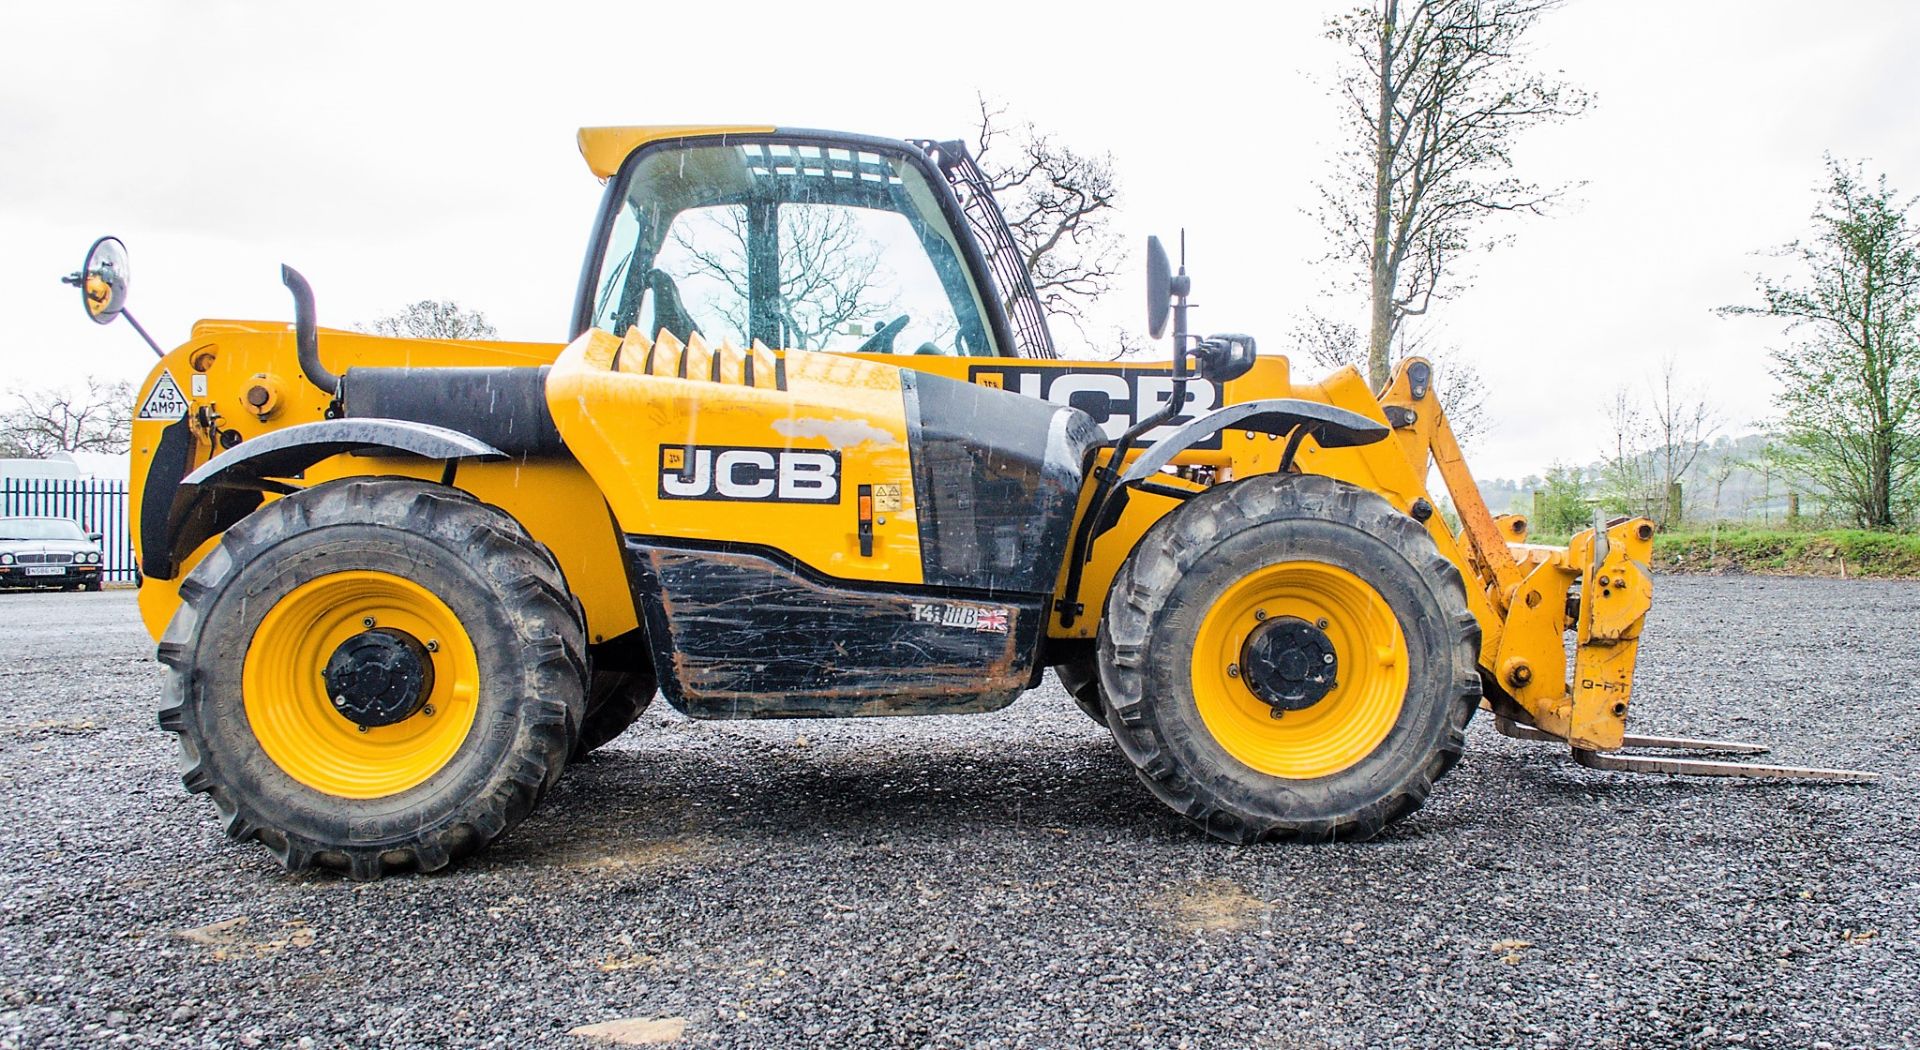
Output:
(306, 332)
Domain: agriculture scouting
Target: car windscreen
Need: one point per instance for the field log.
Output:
(40, 529)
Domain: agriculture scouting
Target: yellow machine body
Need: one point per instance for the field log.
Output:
(639, 413)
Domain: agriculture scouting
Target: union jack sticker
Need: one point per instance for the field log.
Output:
(990, 618)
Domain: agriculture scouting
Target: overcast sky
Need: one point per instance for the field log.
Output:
(402, 151)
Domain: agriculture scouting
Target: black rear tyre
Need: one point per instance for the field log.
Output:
(1348, 580)
(481, 732)
(614, 700)
(1081, 679)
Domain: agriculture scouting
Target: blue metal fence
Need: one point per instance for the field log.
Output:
(98, 504)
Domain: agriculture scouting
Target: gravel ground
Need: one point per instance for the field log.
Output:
(1001, 880)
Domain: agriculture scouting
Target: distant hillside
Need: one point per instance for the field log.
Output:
(1730, 481)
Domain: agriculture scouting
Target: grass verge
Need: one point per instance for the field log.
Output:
(1831, 552)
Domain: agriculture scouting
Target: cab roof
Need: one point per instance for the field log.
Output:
(607, 148)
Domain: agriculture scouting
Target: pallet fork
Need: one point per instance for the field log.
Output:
(1677, 765)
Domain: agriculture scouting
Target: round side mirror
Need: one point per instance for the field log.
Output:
(103, 280)
(1159, 288)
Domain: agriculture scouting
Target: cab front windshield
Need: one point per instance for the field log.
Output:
(796, 246)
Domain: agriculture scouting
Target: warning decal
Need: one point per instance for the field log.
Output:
(166, 401)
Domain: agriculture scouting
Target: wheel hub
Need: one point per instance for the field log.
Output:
(379, 677)
(1289, 664)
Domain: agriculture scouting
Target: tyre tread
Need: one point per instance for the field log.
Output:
(1174, 546)
(524, 577)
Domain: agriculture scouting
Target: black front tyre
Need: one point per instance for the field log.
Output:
(374, 674)
(1289, 656)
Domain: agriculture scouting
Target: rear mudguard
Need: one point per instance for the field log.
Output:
(213, 498)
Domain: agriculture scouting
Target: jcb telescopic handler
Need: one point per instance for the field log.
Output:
(810, 453)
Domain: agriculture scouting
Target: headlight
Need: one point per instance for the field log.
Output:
(92, 558)
(6, 559)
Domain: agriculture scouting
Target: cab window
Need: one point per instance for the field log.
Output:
(796, 246)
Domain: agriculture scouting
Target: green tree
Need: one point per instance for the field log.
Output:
(1850, 387)
(1434, 92)
(1562, 506)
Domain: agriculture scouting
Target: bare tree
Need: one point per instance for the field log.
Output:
(1655, 443)
(432, 319)
(97, 417)
(1625, 480)
(1462, 391)
(1059, 204)
(830, 269)
(1850, 392)
(1683, 422)
(1434, 91)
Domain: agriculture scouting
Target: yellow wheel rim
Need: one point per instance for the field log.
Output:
(293, 718)
(1348, 723)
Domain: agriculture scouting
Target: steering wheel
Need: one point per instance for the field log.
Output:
(881, 341)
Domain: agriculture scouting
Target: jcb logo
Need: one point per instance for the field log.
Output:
(1116, 398)
(765, 475)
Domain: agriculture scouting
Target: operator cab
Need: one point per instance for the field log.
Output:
(798, 241)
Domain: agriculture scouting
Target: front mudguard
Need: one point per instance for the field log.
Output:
(1330, 427)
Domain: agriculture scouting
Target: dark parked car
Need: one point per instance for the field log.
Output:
(48, 552)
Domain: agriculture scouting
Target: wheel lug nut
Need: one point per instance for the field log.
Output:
(363, 729)
(339, 701)
(1233, 670)
(1327, 658)
(1259, 614)
(1321, 623)
(433, 645)
(367, 622)
(427, 710)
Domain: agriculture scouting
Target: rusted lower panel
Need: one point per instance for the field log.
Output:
(737, 634)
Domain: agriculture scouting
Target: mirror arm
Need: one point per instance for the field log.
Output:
(157, 352)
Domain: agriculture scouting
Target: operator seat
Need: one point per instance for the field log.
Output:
(668, 312)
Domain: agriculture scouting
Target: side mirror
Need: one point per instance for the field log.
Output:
(95, 537)
(103, 280)
(1159, 288)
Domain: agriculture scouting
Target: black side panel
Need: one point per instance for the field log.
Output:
(736, 634)
(157, 522)
(998, 476)
(504, 407)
